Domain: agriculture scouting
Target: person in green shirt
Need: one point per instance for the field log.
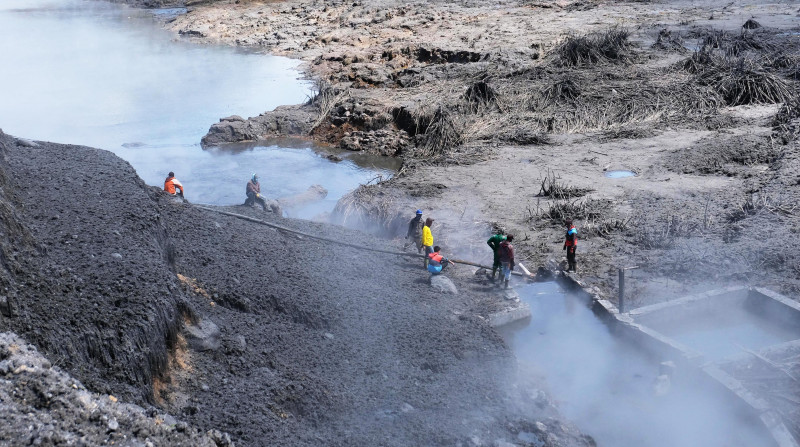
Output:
(494, 242)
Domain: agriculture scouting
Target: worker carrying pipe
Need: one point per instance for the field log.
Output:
(494, 243)
(506, 255)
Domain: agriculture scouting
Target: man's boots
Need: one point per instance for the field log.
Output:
(506, 284)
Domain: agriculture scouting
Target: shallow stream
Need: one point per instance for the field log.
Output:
(93, 73)
(609, 389)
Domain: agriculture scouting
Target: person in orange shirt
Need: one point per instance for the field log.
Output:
(173, 186)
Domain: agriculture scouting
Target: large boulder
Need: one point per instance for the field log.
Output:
(443, 284)
(282, 122)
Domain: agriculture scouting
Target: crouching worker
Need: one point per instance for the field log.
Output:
(253, 192)
(506, 255)
(173, 186)
(437, 262)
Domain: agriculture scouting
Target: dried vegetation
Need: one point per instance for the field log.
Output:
(611, 45)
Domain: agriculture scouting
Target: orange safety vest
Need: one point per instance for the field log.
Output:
(571, 238)
(436, 257)
(170, 183)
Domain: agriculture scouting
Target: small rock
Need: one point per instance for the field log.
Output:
(329, 336)
(116, 255)
(113, 425)
(406, 407)
(241, 342)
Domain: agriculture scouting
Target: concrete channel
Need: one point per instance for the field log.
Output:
(662, 375)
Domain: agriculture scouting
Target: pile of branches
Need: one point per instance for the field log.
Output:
(560, 210)
(611, 45)
(697, 62)
(367, 208)
(480, 95)
(742, 81)
(440, 136)
(786, 124)
(324, 97)
(756, 203)
(663, 232)
(667, 41)
(553, 187)
(565, 107)
(733, 44)
(565, 90)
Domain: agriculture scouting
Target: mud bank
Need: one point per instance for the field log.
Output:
(230, 326)
(42, 405)
(510, 114)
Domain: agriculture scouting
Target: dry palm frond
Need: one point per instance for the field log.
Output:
(611, 45)
(786, 124)
(324, 98)
(441, 134)
(742, 82)
(480, 94)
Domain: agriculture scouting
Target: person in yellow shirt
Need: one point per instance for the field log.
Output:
(427, 239)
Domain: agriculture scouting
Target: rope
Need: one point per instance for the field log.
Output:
(337, 242)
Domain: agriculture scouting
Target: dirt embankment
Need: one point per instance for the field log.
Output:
(42, 405)
(511, 114)
(231, 326)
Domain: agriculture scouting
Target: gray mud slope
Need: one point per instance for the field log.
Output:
(86, 266)
(319, 345)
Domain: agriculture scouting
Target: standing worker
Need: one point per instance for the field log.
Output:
(506, 254)
(494, 242)
(173, 186)
(427, 239)
(570, 244)
(414, 235)
(437, 262)
(253, 192)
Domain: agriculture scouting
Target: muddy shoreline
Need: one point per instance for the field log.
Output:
(464, 92)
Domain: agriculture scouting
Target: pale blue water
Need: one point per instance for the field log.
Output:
(620, 174)
(92, 73)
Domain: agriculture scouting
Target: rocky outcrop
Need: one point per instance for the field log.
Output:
(282, 122)
(382, 142)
